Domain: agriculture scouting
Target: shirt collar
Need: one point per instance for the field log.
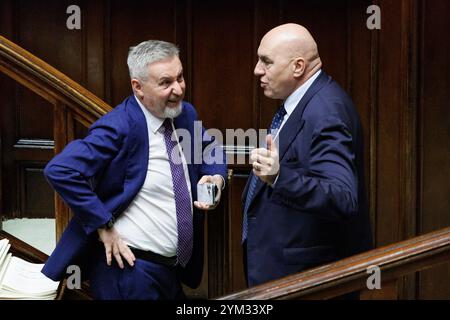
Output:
(292, 101)
(153, 122)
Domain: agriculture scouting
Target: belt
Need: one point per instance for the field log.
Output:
(154, 257)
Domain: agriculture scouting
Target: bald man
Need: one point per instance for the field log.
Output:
(304, 203)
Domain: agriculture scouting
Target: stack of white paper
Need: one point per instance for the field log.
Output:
(20, 279)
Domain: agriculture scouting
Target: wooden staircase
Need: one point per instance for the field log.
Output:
(71, 102)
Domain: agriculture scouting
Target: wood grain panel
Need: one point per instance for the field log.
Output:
(94, 17)
(388, 132)
(60, 130)
(40, 27)
(360, 83)
(7, 142)
(37, 194)
(223, 63)
(434, 117)
(28, 109)
(328, 23)
(434, 136)
(238, 281)
(132, 22)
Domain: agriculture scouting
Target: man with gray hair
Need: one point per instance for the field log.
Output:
(136, 231)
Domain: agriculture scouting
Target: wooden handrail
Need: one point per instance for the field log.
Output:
(23, 250)
(48, 82)
(71, 102)
(351, 274)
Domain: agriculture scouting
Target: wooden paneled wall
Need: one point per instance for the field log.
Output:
(433, 127)
(398, 78)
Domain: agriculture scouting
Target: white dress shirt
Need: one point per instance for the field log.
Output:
(150, 221)
(292, 101)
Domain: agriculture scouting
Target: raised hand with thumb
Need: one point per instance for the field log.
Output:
(265, 161)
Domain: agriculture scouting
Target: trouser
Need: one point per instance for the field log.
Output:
(146, 280)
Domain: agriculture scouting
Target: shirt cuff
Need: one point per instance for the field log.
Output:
(276, 179)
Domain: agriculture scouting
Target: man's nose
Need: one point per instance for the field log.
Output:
(259, 70)
(177, 88)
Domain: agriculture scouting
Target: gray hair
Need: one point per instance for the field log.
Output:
(147, 52)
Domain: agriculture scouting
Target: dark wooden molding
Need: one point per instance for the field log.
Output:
(409, 128)
(373, 131)
(350, 274)
(35, 144)
(48, 82)
(23, 250)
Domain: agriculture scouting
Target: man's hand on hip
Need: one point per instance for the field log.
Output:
(115, 246)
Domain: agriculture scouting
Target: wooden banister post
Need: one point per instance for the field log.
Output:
(62, 131)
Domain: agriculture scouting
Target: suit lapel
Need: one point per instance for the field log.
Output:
(294, 124)
(137, 145)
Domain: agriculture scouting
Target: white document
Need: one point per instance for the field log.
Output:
(24, 277)
(20, 279)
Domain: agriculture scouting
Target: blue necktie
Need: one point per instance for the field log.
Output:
(182, 199)
(276, 123)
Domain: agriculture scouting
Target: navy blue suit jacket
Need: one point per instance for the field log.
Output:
(316, 212)
(100, 175)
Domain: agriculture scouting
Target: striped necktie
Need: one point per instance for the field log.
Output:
(276, 123)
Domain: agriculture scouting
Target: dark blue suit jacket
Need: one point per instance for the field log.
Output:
(317, 210)
(99, 176)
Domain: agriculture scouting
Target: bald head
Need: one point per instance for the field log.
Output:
(288, 57)
(293, 40)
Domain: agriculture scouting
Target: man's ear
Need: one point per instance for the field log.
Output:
(299, 67)
(137, 87)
